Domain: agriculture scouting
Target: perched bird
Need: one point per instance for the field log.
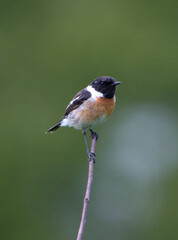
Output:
(91, 106)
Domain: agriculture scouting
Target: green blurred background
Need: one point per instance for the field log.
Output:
(48, 51)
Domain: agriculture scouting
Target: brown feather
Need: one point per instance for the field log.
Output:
(79, 98)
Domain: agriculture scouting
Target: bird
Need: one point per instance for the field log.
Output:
(89, 107)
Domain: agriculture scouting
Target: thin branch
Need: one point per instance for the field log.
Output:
(89, 183)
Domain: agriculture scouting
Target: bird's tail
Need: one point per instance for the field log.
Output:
(54, 128)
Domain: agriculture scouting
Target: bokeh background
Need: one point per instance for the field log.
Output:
(48, 51)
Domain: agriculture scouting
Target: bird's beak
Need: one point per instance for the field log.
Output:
(116, 83)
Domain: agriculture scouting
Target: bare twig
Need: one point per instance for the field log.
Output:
(89, 183)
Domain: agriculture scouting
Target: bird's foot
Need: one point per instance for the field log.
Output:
(91, 157)
(94, 134)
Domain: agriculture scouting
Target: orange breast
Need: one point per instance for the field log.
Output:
(94, 110)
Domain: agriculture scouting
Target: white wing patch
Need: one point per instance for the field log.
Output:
(73, 100)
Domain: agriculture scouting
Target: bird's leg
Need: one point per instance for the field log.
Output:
(93, 135)
(90, 154)
(84, 136)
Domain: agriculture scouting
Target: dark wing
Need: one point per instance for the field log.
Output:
(81, 96)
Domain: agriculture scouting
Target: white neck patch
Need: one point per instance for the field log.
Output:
(94, 93)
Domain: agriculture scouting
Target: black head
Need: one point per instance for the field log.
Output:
(105, 85)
